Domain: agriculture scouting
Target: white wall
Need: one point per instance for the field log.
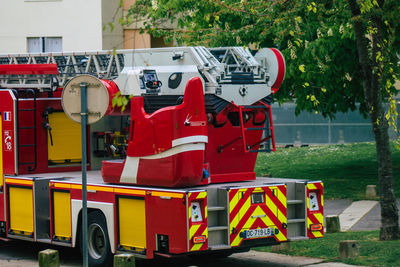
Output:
(78, 22)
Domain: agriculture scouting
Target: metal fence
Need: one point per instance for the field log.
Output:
(309, 128)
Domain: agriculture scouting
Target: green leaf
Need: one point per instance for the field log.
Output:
(115, 99)
(302, 68)
(111, 25)
(378, 55)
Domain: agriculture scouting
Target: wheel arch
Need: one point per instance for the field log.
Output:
(107, 209)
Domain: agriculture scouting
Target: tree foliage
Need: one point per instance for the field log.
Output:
(338, 53)
(316, 38)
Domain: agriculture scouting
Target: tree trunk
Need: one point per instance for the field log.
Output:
(372, 91)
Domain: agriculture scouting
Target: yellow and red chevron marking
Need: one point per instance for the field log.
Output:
(244, 215)
(198, 228)
(317, 216)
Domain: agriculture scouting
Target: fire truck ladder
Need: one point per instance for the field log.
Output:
(32, 128)
(217, 65)
(102, 64)
(267, 129)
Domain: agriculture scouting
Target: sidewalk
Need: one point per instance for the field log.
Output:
(360, 215)
(272, 259)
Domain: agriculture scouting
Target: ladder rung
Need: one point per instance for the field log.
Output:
(27, 145)
(26, 163)
(27, 127)
(256, 129)
(26, 109)
(258, 106)
(261, 150)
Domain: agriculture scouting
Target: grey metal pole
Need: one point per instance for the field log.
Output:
(84, 117)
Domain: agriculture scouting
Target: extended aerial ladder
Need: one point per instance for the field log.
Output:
(109, 64)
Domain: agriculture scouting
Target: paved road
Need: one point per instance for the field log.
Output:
(24, 254)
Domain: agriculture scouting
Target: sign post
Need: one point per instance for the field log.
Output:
(85, 100)
(84, 116)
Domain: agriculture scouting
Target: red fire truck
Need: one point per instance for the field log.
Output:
(170, 167)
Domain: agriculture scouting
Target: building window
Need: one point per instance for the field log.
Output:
(44, 44)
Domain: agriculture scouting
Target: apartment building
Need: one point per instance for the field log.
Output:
(34, 26)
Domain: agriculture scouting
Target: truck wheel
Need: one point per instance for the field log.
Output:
(99, 250)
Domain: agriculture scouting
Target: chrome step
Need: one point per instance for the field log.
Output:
(295, 220)
(217, 228)
(294, 201)
(216, 208)
(218, 247)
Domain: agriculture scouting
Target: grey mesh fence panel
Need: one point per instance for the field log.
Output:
(310, 129)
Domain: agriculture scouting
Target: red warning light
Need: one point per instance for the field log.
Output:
(316, 227)
(199, 239)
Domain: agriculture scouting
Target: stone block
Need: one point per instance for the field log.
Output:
(49, 258)
(370, 192)
(332, 224)
(348, 249)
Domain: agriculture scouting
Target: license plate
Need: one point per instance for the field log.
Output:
(262, 232)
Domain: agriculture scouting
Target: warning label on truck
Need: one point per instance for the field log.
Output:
(7, 140)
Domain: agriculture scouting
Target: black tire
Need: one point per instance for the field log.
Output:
(99, 249)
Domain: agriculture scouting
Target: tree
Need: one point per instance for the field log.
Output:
(333, 49)
(373, 56)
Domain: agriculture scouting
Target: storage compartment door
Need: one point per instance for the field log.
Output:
(66, 136)
(132, 223)
(20, 211)
(62, 216)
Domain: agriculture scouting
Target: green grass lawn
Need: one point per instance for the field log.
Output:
(346, 170)
(372, 252)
